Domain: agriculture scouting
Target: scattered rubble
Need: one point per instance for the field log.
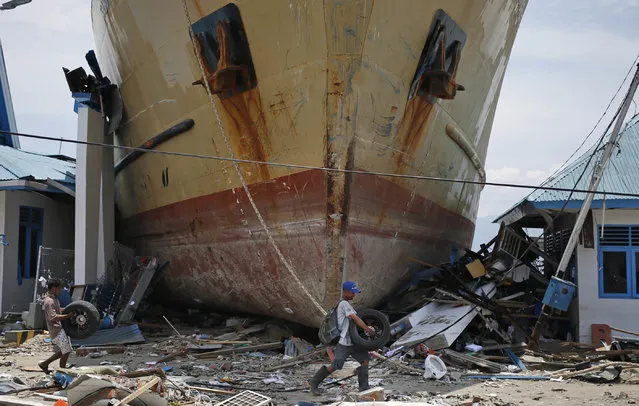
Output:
(456, 327)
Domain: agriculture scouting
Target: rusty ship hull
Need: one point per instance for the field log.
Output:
(372, 86)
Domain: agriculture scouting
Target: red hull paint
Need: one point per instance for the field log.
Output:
(220, 257)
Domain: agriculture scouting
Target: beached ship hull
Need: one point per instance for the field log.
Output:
(327, 84)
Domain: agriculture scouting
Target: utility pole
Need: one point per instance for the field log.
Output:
(597, 174)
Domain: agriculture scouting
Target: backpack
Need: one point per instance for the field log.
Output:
(329, 333)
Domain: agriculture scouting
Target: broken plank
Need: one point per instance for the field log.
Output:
(138, 293)
(211, 390)
(139, 391)
(503, 346)
(117, 349)
(296, 361)
(542, 364)
(396, 363)
(204, 347)
(493, 366)
(523, 377)
(174, 355)
(229, 351)
(632, 333)
(225, 342)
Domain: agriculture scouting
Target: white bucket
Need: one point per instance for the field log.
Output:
(434, 367)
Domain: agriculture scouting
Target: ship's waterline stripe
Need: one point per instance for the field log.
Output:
(287, 265)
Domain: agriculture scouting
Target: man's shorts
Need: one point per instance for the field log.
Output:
(61, 343)
(343, 351)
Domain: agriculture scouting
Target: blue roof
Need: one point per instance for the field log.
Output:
(621, 175)
(16, 164)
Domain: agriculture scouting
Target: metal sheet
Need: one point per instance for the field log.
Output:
(18, 164)
(439, 324)
(115, 336)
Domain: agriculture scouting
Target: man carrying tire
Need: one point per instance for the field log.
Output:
(53, 315)
(345, 347)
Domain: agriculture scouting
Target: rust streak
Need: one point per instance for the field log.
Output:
(246, 126)
(412, 128)
(417, 117)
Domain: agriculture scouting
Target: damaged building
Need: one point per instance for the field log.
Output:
(605, 265)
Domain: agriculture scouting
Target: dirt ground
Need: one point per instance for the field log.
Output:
(245, 371)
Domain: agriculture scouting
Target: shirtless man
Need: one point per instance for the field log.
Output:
(54, 317)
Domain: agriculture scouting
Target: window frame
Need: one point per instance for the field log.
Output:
(24, 264)
(631, 263)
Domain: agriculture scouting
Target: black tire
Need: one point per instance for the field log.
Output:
(379, 322)
(85, 322)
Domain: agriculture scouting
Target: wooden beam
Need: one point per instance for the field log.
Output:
(230, 351)
(139, 391)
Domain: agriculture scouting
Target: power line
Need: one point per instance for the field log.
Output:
(634, 63)
(299, 166)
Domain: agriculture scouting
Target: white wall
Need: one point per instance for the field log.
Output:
(58, 232)
(3, 250)
(620, 313)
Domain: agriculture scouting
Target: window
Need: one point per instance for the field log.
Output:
(29, 241)
(618, 261)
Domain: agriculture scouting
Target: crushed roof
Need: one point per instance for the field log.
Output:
(16, 164)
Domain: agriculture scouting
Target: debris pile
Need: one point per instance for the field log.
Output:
(454, 324)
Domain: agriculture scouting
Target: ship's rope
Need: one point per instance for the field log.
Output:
(286, 263)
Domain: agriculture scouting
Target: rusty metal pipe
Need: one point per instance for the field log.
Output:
(179, 128)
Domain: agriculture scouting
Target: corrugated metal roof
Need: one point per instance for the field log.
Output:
(16, 164)
(621, 175)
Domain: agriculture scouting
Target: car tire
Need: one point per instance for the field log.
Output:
(378, 321)
(85, 322)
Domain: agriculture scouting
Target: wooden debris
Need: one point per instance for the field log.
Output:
(396, 363)
(493, 366)
(632, 333)
(625, 365)
(230, 351)
(519, 346)
(182, 352)
(225, 342)
(304, 358)
(211, 390)
(117, 349)
(139, 391)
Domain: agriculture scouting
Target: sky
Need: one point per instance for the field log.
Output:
(38, 39)
(568, 60)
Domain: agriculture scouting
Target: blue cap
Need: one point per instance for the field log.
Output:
(350, 286)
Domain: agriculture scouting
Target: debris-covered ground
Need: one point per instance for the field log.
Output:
(282, 377)
(453, 335)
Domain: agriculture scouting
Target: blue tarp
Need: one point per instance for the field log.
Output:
(114, 336)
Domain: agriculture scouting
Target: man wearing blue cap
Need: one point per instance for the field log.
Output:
(345, 347)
